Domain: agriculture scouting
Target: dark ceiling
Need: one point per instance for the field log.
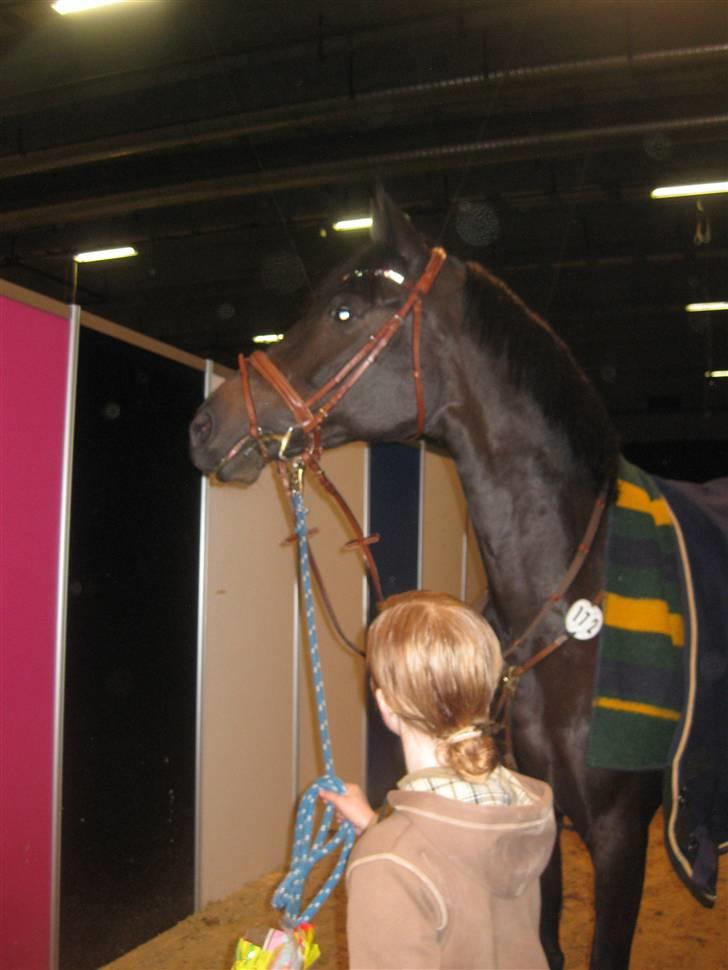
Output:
(223, 137)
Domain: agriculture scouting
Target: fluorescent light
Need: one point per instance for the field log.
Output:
(96, 255)
(706, 307)
(77, 6)
(267, 338)
(716, 373)
(679, 191)
(346, 225)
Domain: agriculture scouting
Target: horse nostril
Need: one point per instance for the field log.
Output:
(201, 428)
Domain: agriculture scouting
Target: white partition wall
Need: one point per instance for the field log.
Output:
(259, 745)
(450, 559)
(345, 579)
(246, 775)
(476, 580)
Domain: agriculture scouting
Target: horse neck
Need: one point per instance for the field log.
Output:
(529, 498)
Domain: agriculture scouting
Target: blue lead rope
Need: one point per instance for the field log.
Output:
(306, 853)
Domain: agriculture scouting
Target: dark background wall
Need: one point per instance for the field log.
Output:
(394, 497)
(692, 461)
(127, 868)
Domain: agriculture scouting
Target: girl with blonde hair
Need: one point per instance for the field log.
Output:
(450, 877)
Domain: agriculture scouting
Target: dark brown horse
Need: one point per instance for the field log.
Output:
(466, 365)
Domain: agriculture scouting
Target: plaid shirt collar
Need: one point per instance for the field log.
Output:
(501, 787)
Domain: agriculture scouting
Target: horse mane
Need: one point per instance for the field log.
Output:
(537, 360)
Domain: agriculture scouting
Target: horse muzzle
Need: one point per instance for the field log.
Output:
(242, 461)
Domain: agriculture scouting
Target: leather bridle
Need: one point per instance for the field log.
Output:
(309, 415)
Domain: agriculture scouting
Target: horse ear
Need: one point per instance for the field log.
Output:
(392, 227)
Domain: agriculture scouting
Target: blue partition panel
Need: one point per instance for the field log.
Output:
(394, 512)
(127, 851)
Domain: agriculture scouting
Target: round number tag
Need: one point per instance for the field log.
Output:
(584, 620)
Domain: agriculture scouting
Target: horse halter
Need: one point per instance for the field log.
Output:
(310, 415)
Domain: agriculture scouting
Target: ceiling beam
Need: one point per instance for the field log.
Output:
(434, 158)
(340, 110)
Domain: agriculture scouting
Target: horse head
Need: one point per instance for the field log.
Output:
(348, 369)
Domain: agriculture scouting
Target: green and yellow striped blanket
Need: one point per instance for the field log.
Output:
(638, 691)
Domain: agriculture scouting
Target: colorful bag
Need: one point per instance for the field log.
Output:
(281, 950)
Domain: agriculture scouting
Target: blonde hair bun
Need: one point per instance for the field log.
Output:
(438, 663)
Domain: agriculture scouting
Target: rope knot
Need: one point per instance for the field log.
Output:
(308, 849)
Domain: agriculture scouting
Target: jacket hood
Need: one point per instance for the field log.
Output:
(507, 846)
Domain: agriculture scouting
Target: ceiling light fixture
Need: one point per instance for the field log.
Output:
(347, 225)
(267, 338)
(716, 373)
(707, 307)
(78, 6)
(681, 191)
(97, 255)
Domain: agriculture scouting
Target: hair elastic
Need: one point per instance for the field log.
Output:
(464, 734)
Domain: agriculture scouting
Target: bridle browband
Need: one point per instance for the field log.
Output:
(310, 414)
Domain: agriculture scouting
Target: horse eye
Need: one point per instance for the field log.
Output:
(342, 314)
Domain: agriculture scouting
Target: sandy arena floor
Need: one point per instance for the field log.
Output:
(674, 932)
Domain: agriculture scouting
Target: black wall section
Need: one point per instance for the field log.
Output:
(127, 866)
(692, 461)
(394, 499)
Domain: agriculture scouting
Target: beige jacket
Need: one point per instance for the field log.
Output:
(445, 884)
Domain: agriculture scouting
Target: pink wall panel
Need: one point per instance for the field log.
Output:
(34, 352)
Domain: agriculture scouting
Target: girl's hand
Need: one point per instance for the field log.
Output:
(352, 806)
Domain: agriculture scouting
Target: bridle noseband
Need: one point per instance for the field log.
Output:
(309, 415)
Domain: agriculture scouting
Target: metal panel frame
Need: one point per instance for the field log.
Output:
(74, 323)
